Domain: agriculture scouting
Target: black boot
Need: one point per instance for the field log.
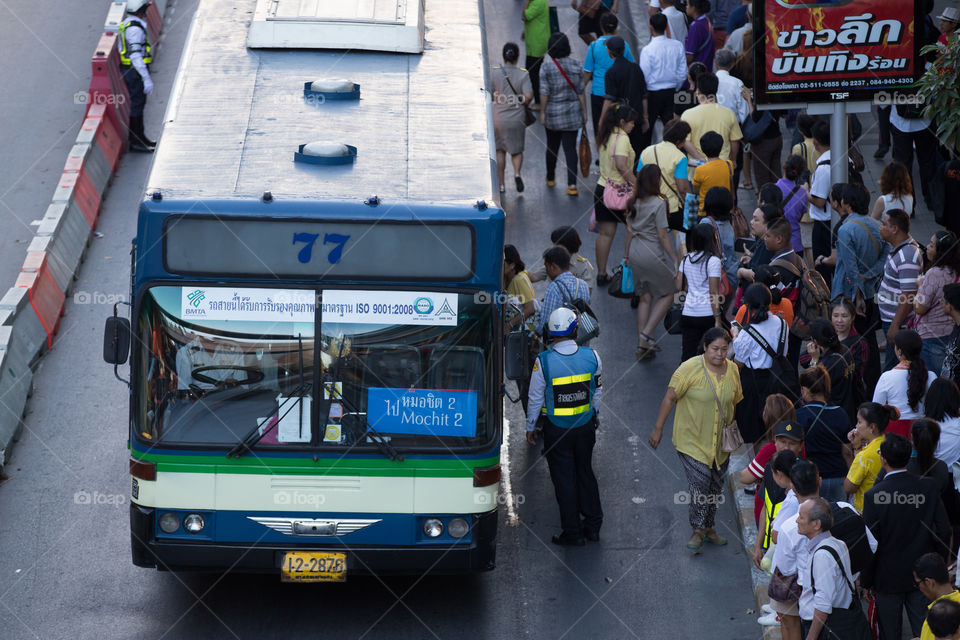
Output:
(138, 139)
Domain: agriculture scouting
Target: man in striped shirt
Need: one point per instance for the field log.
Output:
(899, 283)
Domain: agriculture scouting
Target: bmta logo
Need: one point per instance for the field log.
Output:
(196, 297)
(423, 306)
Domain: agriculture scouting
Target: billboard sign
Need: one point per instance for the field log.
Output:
(830, 50)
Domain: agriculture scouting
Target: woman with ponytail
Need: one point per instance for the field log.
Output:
(755, 363)
(867, 436)
(905, 385)
(925, 434)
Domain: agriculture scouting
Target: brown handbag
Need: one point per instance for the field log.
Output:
(730, 438)
(586, 156)
(783, 588)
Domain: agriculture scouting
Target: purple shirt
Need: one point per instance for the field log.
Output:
(793, 210)
(700, 41)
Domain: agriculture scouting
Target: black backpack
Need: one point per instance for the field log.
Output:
(853, 176)
(813, 299)
(783, 375)
(848, 525)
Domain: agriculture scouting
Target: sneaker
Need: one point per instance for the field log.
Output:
(766, 609)
(551, 183)
(519, 182)
(503, 189)
(769, 620)
(572, 191)
(715, 538)
(696, 541)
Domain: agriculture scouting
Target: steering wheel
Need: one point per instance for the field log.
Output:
(254, 375)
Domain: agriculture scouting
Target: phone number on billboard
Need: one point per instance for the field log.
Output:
(833, 84)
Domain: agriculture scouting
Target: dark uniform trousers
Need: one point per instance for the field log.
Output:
(569, 454)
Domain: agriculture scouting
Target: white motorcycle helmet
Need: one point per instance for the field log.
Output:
(562, 323)
(134, 6)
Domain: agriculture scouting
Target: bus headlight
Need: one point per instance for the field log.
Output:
(458, 528)
(193, 523)
(433, 528)
(169, 522)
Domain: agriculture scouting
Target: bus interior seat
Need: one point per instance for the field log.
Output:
(392, 366)
(456, 368)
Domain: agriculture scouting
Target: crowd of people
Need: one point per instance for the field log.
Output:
(818, 331)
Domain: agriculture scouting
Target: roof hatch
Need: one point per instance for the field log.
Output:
(365, 25)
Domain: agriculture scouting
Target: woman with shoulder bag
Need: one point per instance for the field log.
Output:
(698, 275)
(511, 95)
(617, 182)
(705, 390)
(563, 108)
(650, 251)
(755, 363)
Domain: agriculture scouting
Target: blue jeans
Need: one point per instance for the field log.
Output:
(729, 251)
(832, 489)
(932, 353)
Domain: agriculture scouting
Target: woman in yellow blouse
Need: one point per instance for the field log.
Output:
(697, 428)
(520, 308)
(872, 421)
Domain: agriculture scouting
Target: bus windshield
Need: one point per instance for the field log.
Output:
(220, 363)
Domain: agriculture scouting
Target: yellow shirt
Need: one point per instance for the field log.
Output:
(926, 634)
(669, 157)
(863, 472)
(713, 117)
(716, 173)
(697, 425)
(608, 168)
(522, 289)
(808, 152)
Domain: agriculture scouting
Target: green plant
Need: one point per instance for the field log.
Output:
(939, 88)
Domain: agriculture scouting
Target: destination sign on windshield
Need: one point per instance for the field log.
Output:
(195, 245)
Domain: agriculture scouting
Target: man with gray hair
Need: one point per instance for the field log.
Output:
(730, 92)
(829, 605)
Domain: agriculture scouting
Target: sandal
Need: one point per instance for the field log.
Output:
(651, 343)
(747, 185)
(696, 540)
(644, 352)
(715, 538)
(603, 280)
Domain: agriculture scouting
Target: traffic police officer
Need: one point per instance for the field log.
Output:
(135, 55)
(564, 392)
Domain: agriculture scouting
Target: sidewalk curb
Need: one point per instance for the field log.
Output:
(743, 505)
(30, 311)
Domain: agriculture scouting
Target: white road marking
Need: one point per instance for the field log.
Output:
(505, 483)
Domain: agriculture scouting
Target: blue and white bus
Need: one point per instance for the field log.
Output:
(316, 382)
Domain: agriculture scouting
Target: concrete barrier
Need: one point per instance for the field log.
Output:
(89, 160)
(77, 192)
(15, 312)
(97, 129)
(107, 87)
(115, 15)
(46, 298)
(16, 377)
(63, 233)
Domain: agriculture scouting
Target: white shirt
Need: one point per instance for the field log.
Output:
(538, 385)
(948, 449)
(828, 577)
(729, 94)
(136, 43)
(664, 64)
(907, 125)
(891, 201)
(789, 507)
(747, 350)
(696, 303)
(676, 22)
(820, 188)
(734, 41)
(892, 389)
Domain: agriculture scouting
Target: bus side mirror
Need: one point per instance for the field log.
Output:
(516, 355)
(116, 340)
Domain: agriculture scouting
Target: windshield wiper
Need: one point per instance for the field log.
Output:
(255, 435)
(383, 445)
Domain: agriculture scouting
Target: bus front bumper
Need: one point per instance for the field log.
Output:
(174, 555)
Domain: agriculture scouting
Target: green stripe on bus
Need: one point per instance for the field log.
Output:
(294, 466)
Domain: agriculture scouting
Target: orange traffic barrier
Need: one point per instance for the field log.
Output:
(154, 24)
(98, 130)
(88, 160)
(75, 189)
(46, 298)
(107, 87)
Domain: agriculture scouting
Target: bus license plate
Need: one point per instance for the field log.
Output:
(313, 566)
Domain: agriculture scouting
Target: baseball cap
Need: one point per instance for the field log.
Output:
(788, 429)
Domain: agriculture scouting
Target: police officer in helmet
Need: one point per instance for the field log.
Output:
(135, 55)
(564, 392)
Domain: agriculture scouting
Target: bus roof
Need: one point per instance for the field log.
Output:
(422, 127)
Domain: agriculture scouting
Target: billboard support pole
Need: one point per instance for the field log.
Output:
(839, 136)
